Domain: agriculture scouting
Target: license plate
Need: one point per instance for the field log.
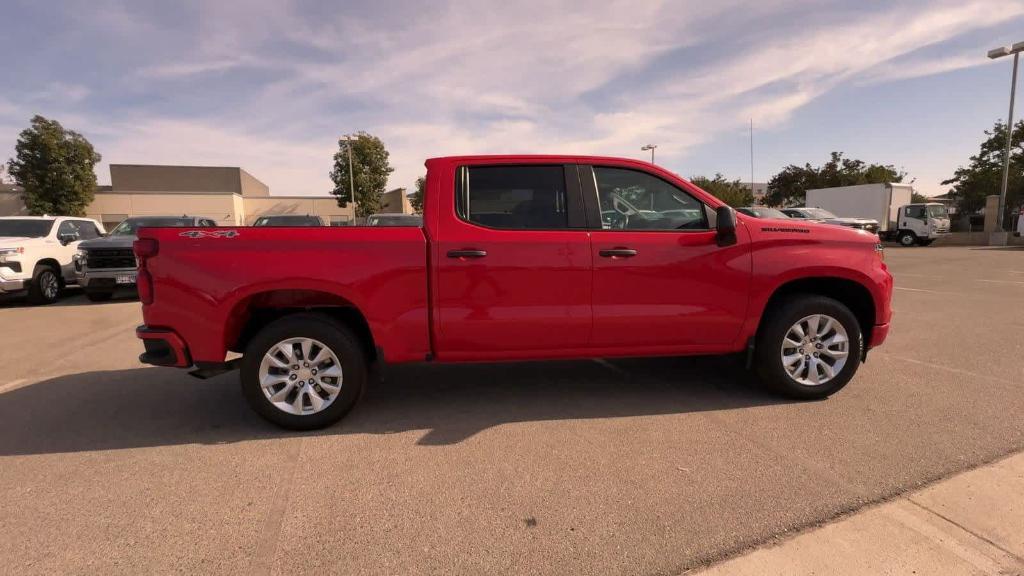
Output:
(125, 279)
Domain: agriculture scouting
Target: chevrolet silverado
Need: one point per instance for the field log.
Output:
(518, 258)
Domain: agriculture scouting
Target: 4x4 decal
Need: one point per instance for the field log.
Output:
(209, 234)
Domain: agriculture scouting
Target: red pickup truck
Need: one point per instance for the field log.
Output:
(518, 258)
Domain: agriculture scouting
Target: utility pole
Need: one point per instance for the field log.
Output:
(650, 147)
(751, 156)
(351, 178)
(993, 54)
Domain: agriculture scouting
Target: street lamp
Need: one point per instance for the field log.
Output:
(650, 147)
(351, 178)
(1016, 49)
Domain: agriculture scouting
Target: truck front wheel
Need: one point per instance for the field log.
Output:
(809, 347)
(45, 285)
(303, 372)
(907, 238)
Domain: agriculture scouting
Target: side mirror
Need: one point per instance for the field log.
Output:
(725, 225)
(66, 239)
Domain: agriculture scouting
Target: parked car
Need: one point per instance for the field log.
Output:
(37, 254)
(394, 220)
(762, 212)
(889, 209)
(288, 220)
(103, 265)
(515, 263)
(822, 215)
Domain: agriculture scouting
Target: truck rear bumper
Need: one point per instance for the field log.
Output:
(163, 348)
(878, 335)
(12, 286)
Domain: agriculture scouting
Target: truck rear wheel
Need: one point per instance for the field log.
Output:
(303, 372)
(809, 348)
(907, 238)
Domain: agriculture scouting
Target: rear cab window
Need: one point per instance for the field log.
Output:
(519, 197)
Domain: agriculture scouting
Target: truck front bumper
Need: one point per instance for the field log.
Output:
(104, 278)
(163, 347)
(12, 286)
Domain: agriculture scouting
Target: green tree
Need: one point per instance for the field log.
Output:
(55, 168)
(916, 198)
(416, 198)
(370, 169)
(789, 187)
(732, 192)
(983, 176)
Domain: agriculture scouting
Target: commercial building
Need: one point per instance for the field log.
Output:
(229, 195)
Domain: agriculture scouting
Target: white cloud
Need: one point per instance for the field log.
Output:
(572, 77)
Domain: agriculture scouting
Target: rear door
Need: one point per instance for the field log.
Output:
(661, 282)
(513, 263)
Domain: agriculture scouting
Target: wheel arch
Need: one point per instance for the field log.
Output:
(850, 293)
(250, 314)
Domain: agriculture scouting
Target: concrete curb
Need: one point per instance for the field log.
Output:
(972, 523)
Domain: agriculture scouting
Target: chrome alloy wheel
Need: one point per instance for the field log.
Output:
(815, 349)
(300, 376)
(49, 284)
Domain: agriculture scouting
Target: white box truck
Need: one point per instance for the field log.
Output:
(898, 218)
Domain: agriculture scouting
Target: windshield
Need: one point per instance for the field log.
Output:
(766, 213)
(398, 220)
(131, 225)
(818, 213)
(25, 228)
(937, 211)
(287, 221)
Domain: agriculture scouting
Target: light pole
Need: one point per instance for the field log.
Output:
(351, 178)
(650, 147)
(993, 54)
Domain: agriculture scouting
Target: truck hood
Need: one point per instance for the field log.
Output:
(108, 242)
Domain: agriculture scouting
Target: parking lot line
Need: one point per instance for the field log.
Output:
(946, 368)
(923, 290)
(1000, 281)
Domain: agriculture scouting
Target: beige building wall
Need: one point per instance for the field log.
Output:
(250, 186)
(162, 179)
(326, 207)
(395, 202)
(111, 208)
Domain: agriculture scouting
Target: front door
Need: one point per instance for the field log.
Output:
(513, 264)
(661, 282)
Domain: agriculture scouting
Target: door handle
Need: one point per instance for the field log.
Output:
(618, 253)
(467, 253)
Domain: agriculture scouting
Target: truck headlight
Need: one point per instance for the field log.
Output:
(10, 253)
(79, 259)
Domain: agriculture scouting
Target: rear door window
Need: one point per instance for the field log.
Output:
(513, 197)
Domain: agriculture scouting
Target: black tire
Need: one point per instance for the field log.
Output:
(98, 295)
(40, 289)
(768, 349)
(907, 238)
(335, 336)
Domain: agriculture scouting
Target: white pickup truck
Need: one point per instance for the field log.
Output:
(37, 253)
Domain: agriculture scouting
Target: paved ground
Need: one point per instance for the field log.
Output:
(639, 467)
(970, 524)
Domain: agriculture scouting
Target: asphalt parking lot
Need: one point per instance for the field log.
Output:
(624, 466)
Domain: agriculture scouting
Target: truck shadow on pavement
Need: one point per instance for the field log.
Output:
(146, 407)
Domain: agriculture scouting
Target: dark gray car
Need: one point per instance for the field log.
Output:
(105, 264)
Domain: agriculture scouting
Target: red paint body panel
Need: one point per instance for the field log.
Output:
(203, 287)
(537, 294)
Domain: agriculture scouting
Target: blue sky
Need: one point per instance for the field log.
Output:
(269, 85)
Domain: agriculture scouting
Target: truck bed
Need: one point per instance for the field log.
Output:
(207, 279)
